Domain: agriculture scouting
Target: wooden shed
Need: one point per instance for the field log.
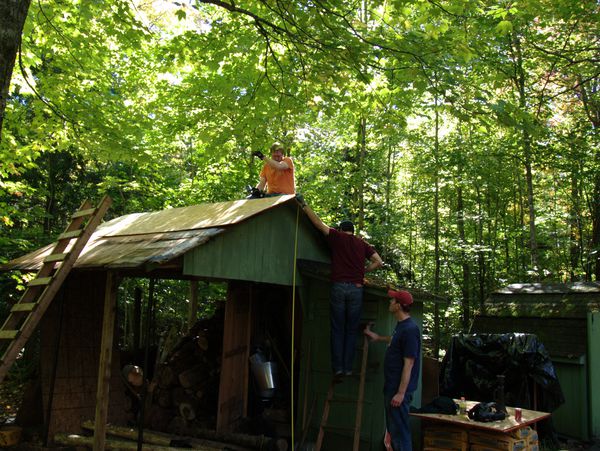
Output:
(566, 319)
(275, 265)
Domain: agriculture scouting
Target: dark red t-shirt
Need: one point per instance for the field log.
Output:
(348, 255)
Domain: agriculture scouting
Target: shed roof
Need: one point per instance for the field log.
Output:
(566, 300)
(137, 239)
(550, 288)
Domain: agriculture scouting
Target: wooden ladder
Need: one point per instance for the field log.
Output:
(359, 402)
(25, 315)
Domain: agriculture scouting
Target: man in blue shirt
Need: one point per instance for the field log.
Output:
(400, 368)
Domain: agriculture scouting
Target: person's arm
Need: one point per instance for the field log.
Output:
(374, 336)
(324, 228)
(404, 380)
(376, 262)
(279, 165)
(262, 183)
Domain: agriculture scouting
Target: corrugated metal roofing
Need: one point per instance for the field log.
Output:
(134, 240)
(550, 288)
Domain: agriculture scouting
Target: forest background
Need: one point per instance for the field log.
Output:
(461, 136)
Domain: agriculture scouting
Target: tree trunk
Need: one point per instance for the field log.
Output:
(362, 144)
(592, 111)
(12, 18)
(526, 141)
(481, 266)
(436, 200)
(574, 229)
(466, 270)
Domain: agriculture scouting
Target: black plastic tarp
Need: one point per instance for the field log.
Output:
(472, 363)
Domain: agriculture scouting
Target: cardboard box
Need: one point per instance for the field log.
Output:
(445, 444)
(486, 441)
(446, 432)
(524, 432)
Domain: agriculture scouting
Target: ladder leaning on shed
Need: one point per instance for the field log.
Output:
(359, 400)
(25, 315)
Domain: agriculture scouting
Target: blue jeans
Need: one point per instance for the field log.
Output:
(345, 308)
(397, 422)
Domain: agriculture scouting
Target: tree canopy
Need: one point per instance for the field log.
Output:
(460, 135)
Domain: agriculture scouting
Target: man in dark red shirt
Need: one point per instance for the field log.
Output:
(348, 256)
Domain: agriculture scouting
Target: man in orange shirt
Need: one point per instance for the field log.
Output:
(277, 173)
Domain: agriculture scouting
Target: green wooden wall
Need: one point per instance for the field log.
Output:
(259, 249)
(316, 374)
(593, 321)
(571, 418)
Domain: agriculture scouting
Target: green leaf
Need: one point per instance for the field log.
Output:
(504, 27)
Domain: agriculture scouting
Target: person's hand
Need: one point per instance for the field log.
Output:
(397, 400)
(300, 200)
(259, 154)
(369, 333)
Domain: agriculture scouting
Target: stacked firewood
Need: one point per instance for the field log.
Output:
(187, 380)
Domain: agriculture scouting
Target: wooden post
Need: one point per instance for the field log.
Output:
(247, 357)
(193, 310)
(108, 329)
(137, 317)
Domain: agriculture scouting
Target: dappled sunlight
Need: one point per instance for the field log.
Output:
(194, 217)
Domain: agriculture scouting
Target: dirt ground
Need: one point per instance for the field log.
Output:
(11, 394)
(575, 445)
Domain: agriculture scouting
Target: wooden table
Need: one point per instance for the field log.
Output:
(509, 424)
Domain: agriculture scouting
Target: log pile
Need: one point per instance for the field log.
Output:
(187, 380)
(125, 438)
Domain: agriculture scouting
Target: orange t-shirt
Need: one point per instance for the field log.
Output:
(278, 181)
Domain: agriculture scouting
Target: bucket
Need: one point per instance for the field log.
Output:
(265, 374)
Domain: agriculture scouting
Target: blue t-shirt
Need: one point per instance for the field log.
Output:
(406, 342)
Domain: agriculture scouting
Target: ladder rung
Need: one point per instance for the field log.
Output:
(69, 235)
(337, 428)
(80, 213)
(23, 307)
(39, 282)
(55, 258)
(8, 334)
(341, 399)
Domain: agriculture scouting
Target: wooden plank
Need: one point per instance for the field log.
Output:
(39, 282)
(8, 334)
(163, 439)
(80, 440)
(325, 416)
(108, 329)
(23, 307)
(361, 394)
(509, 424)
(70, 235)
(249, 331)
(83, 213)
(56, 257)
(234, 365)
(193, 310)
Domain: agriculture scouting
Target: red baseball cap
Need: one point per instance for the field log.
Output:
(402, 297)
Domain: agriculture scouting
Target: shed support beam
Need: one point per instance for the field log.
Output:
(106, 347)
(193, 310)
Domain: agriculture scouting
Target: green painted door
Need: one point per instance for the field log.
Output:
(571, 418)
